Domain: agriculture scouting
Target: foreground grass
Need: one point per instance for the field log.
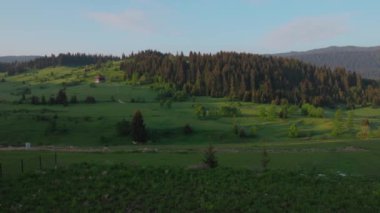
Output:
(133, 189)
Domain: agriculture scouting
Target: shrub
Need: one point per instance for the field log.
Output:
(229, 111)
(187, 129)
(242, 133)
(210, 158)
(61, 97)
(364, 129)
(265, 160)
(180, 96)
(90, 100)
(312, 111)
(293, 131)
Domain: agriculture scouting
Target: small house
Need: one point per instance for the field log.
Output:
(100, 79)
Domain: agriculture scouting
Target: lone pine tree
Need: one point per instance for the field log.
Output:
(138, 130)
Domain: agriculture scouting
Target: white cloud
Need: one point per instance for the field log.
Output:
(130, 20)
(305, 31)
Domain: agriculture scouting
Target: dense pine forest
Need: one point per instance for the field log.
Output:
(239, 76)
(249, 77)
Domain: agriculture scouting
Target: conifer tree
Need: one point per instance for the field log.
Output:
(138, 130)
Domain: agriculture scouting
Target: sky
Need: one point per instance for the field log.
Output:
(44, 27)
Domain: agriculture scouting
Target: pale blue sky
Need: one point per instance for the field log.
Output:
(117, 26)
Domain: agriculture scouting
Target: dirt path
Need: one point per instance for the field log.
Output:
(179, 150)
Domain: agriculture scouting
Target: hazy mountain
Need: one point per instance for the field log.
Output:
(10, 59)
(363, 60)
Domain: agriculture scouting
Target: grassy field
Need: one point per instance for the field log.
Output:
(159, 189)
(94, 124)
(315, 171)
(333, 157)
(86, 126)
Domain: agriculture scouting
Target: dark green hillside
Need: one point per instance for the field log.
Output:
(10, 59)
(362, 60)
(77, 59)
(249, 77)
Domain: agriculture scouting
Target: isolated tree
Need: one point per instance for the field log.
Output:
(138, 131)
(90, 100)
(364, 129)
(293, 131)
(263, 112)
(210, 158)
(265, 160)
(200, 111)
(52, 100)
(43, 100)
(35, 100)
(187, 129)
(61, 97)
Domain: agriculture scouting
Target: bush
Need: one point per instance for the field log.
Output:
(242, 133)
(364, 129)
(312, 111)
(265, 160)
(187, 129)
(180, 96)
(229, 111)
(210, 158)
(90, 100)
(293, 131)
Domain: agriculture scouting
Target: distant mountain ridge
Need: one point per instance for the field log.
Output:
(24, 58)
(362, 60)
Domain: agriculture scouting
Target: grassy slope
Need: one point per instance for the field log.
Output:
(94, 125)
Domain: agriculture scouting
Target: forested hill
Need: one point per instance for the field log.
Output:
(248, 77)
(363, 60)
(11, 59)
(68, 59)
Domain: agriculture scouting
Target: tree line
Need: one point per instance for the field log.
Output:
(68, 59)
(249, 77)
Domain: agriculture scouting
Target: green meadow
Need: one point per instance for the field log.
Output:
(329, 162)
(91, 128)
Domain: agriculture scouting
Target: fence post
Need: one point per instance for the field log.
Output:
(55, 159)
(40, 161)
(22, 166)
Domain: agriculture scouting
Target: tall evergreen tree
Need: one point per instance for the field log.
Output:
(139, 133)
(61, 97)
